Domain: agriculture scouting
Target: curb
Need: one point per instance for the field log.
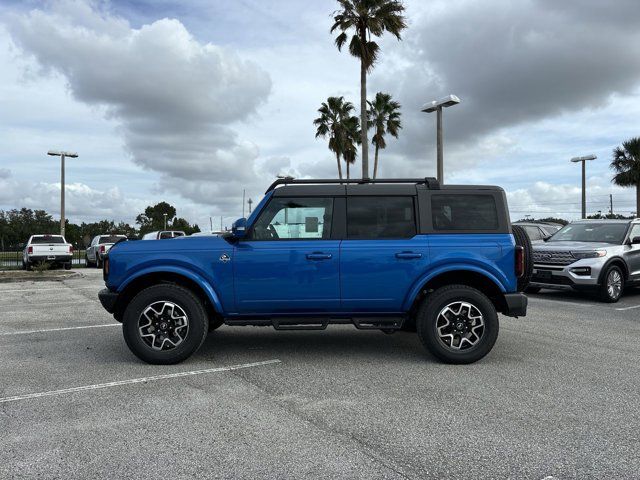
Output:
(7, 277)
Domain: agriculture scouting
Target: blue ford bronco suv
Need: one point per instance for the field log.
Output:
(383, 254)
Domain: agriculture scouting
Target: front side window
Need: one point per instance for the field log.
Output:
(294, 219)
(464, 212)
(380, 217)
(533, 232)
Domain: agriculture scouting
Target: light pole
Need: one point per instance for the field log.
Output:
(249, 202)
(584, 182)
(437, 106)
(165, 220)
(62, 155)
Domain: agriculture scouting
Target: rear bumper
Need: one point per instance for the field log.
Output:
(108, 299)
(516, 305)
(49, 258)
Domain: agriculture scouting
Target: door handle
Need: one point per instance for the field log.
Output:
(408, 255)
(318, 256)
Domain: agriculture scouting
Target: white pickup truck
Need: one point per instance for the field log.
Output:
(51, 249)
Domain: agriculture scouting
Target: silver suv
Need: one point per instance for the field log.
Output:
(600, 255)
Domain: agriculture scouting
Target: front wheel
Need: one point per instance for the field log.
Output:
(457, 324)
(164, 324)
(612, 285)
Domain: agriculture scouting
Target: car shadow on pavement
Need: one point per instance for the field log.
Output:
(338, 342)
(631, 296)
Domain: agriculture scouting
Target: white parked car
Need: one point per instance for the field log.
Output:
(161, 234)
(99, 247)
(51, 249)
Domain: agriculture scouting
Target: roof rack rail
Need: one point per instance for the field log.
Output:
(430, 182)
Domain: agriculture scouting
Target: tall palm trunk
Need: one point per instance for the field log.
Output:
(637, 200)
(375, 164)
(363, 116)
(339, 166)
(348, 171)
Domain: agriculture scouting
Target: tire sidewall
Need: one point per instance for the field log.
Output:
(182, 297)
(604, 293)
(427, 323)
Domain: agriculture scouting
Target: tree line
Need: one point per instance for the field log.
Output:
(17, 225)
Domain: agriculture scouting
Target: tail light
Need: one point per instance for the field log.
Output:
(30, 250)
(519, 261)
(70, 249)
(105, 268)
(102, 249)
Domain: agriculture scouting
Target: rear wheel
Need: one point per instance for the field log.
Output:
(612, 285)
(98, 261)
(522, 240)
(88, 262)
(67, 266)
(164, 324)
(457, 324)
(28, 266)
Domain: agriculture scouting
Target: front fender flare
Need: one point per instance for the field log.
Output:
(191, 275)
(417, 286)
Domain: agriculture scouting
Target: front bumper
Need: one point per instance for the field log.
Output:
(516, 305)
(582, 274)
(108, 299)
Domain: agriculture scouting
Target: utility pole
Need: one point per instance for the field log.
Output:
(611, 204)
(243, 194)
(437, 106)
(211, 223)
(249, 202)
(165, 220)
(583, 160)
(220, 222)
(62, 156)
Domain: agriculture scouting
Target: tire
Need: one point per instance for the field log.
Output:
(24, 265)
(611, 295)
(215, 323)
(531, 289)
(98, 261)
(158, 296)
(88, 263)
(28, 266)
(429, 319)
(67, 266)
(522, 240)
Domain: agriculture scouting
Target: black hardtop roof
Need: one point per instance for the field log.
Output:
(389, 186)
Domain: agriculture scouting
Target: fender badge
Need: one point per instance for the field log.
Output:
(224, 258)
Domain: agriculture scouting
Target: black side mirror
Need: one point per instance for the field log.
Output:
(635, 240)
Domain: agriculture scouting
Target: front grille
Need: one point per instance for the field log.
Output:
(547, 257)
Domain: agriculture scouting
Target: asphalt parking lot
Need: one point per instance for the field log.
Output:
(558, 397)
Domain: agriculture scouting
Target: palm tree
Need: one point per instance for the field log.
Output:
(366, 18)
(351, 140)
(626, 164)
(384, 117)
(331, 123)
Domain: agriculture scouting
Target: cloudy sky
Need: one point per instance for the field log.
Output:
(192, 101)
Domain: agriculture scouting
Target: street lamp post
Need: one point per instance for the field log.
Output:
(165, 220)
(62, 155)
(584, 182)
(249, 202)
(437, 106)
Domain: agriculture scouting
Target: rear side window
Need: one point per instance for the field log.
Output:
(463, 212)
(380, 217)
(533, 232)
(110, 239)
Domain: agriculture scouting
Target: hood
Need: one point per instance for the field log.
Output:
(178, 244)
(567, 245)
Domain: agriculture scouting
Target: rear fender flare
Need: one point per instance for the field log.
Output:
(427, 277)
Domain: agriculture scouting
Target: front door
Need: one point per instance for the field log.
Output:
(382, 256)
(288, 262)
(633, 254)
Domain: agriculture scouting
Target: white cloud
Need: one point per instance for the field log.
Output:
(175, 99)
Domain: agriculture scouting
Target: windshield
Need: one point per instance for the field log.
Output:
(111, 238)
(46, 239)
(591, 232)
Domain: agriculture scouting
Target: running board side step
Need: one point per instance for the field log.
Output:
(321, 323)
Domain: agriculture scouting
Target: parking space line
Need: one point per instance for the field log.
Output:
(621, 309)
(131, 381)
(47, 289)
(61, 329)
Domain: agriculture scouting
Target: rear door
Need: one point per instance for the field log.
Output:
(382, 255)
(289, 261)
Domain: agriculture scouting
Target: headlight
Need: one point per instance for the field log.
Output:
(589, 254)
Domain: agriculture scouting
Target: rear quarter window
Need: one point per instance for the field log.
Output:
(461, 212)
